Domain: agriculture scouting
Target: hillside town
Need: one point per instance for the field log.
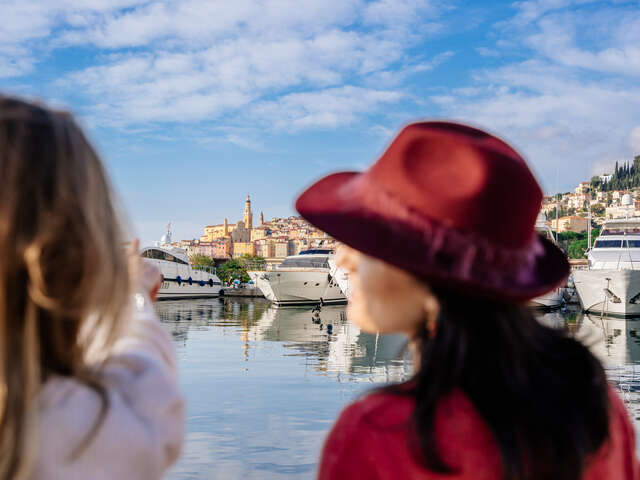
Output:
(272, 240)
(603, 197)
(275, 239)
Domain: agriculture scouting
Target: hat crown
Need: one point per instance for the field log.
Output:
(463, 178)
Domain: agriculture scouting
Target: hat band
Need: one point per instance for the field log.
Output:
(435, 249)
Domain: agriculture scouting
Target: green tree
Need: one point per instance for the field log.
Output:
(595, 182)
(237, 268)
(577, 248)
(231, 270)
(198, 260)
(575, 244)
(597, 210)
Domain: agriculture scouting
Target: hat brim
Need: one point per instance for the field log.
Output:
(335, 205)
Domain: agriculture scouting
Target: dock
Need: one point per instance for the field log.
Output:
(241, 292)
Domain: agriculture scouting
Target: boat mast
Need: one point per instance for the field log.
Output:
(557, 207)
(589, 224)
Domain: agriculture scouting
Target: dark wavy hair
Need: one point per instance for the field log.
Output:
(542, 394)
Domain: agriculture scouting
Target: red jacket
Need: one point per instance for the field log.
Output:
(370, 441)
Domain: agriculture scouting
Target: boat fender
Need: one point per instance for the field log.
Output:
(179, 279)
(202, 283)
(190, 281)
(211, 282)
(329, 329)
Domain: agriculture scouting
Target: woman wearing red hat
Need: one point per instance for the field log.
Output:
(441, 245)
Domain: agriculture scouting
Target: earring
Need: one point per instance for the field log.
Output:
(432, 309)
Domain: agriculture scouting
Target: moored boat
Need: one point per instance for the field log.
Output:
(554, 298)
(179, 278)
(302, 279)
(611, 282)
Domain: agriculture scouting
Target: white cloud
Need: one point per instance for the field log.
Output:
(556, 39)
(560, 121)
(328, 108)
(571, 106)
(27, 25)
(188, 60)
(487, 52)
(529, 11)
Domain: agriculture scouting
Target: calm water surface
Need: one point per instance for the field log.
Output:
(264, 384)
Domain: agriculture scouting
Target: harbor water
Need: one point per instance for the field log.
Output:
(264, 384)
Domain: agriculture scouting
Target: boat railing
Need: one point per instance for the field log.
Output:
(256, 266)
(205, 268)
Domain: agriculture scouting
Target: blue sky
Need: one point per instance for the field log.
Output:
(194, 104)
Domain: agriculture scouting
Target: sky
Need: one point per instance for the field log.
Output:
(194, 104)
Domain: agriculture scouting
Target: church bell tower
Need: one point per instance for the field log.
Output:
(248, 215)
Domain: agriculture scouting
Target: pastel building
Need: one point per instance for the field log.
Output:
(281, 248)
(571, 223)
(578, 201)
(264, 248)
(242, 248)
(259, 233)
(582, 187)
(222, 248)
(222, 230)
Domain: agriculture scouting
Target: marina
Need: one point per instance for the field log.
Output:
(265, 384)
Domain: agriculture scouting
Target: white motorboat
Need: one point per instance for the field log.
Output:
(302, 279)
(611, 282)
(554, 298)
(179, 278)
(340, 276)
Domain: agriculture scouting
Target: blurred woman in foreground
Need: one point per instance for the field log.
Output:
(441, 246)
(87, 373)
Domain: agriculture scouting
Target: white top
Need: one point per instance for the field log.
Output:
(141, 434)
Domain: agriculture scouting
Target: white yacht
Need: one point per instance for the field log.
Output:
(611, 282)
(340, 276)
(302, 279)
(554, 298)
(179, 278)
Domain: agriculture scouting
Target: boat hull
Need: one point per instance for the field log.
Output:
(553, 299)
(609, 291)
(175, 281)
(341, 277)
(298, 287)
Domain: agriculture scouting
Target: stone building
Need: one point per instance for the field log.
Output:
(222, 230)
(571, 223)
(242, 248)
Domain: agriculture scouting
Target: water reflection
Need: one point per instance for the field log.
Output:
(265, 384)
(616, 343)
(328, 340)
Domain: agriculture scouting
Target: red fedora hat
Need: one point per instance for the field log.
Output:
(449, 203)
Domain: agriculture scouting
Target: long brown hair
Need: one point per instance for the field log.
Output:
(63, 275)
